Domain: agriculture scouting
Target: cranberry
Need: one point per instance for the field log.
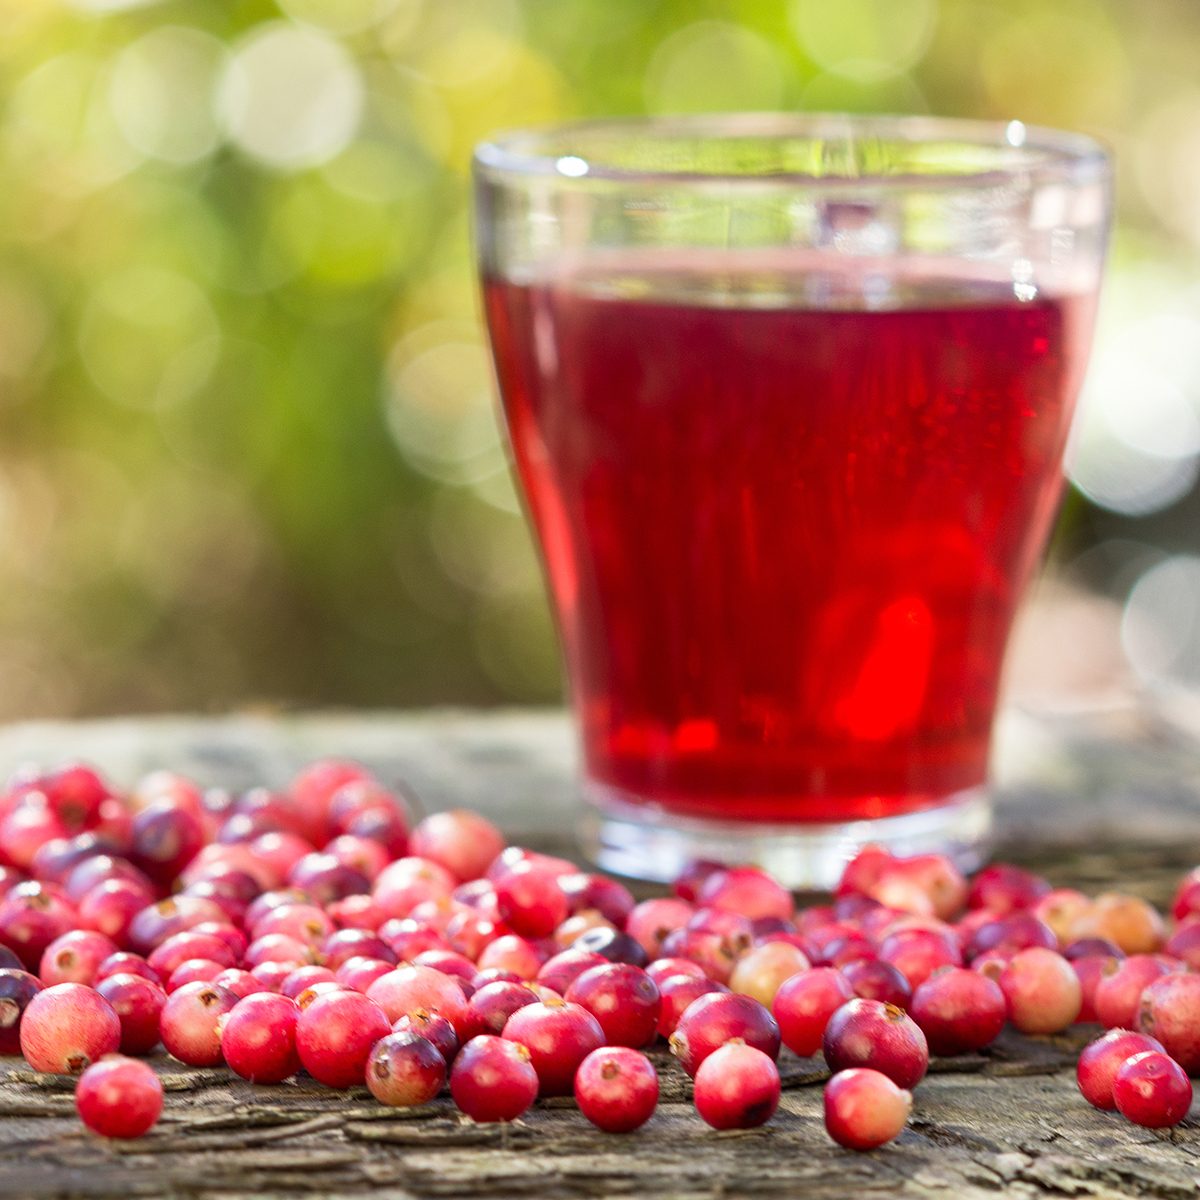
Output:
(623, 999)
(512, 953)
(303, 977)
(804, 1004)
(157, 922)
(616, 1088)
(359, 796)
(1184, 944)
(407, 938)
(190, 1025)
(1089, 970)
(714, 954)
(326, 879)
(1169, 1010)
(242, 983)
(267, 902)
(1063, 911)
(357, 912)
(258, 1038)
(613, 944)
(404, 1070)
(1129, 921)
(111, 907)
(75, 957)
(1008, 934)
(315, 991)
(493, 1079)
(119, 1098)
(598, 894)
(314, 787)
(928, 882)
(406, 990)
(1042, 990)
(138, 1003)
(277, 948)
(573, 928)
(750, 891)
(67, 1027)
(651, 922)
(762, 971)
(17, 988)
(359, 973)
(737, 1087)
(530, 900)
(691, 878)
(1119, 991)
(1101, 1059)
(335, 1035)
(1187, 896)
(870, 1033)
(270, 975)
(98, 869)
(841, 951)
(28, 827)
(677, 992)
(563, 969)
(1153, 1090)
(345, 944)
(864, 1108)
(463, 842)
(364, 855)
(303, 922)
(194, 970)
(665, 968)
(1003, 888)
(558, 1036)
(1090, 946)
(713, 1020)
(403, 885)
(875, 980)
(958, 1010)
(31, 917)
(389, 829)
(434, 1028)
(166, 838)
(166, 957)
(126, 963)
(917, 953)
(489, 1008)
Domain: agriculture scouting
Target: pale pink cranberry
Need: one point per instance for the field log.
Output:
(244, 983)
(652, 921)
(405, 990)
(493, 1079)
(364, 855)
(1119, 992)
(357, 912)
(1063, 910)
(616, 1088)
(335, 1034)
(66, 1028)
(737, 1087)
(75, 957)
(457, 966)
(1042, 991)
(875, 980)
(303, 922)
(864, 1108)
(511, 953)
(712, 1020)
(119, 1098)
(558, 1036)
(803, 1005)
(404, 884)
(869, 1033)
(925, 882)
(1152, 1089)
(277, 948)
(1102, 1059)
(762, 971)
(194, 970)
(190, 1024)
(958, 1010)
(749, 891)
(462, 841)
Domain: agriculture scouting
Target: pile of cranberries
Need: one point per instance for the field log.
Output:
(314, 929)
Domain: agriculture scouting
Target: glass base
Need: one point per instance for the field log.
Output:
(642, 841)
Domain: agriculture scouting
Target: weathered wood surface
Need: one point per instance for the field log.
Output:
(1093, 798)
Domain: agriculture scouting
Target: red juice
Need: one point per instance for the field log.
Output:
(785, 536)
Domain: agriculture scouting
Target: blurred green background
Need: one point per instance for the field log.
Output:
(247, 441)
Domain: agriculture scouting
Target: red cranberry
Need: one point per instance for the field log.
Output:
(359, 796)
(714, 954)
(853, 947)
(665, 968)
(359, 973)
(67, 1027)
(434, 1028)
(1089, 970)
(345, 944)
(1042, 991)
(917, 953)
(713, 1020)
(1063, 910)
(1119, 991)
(462, 841)
(389, 829)
(335, 1035)
(304, 922)
(315, 991)
(267, 902)
(75, 957)
(1008, 934)
(1187, 896)
(804, 1004)
(17, 988)
(278, 948)
(194, 970)
(530, 900)
(559, 972)
(138, 1004)
(691, 878)
(588, 893)
(616, 1088)
(511, 953)
(623, 999)
(750, 891)
(258, 1038)
(28, 827)
(126, 963)
(1169, 1010)
(1153, 1090)
(406, 990)
(653, 921)
(493, 1079)
(405, 1070)
(165, 839)
(364, 855)
(1090, 946)
(242, 983)
(326, 879)
(677, 992)
(303, 977)
(97, 870)
(875, 980)
(111, 907)
(1184, 944)
(31, 917)
(931, 878)
(408, 881)
(154, 924)
(314, 787)
(1103, 1058)
(558, 1036)
(958, 1010)
(512, 856)
(76, 792)
(119, 1098)
(762, 971)
(165, 958)
(869, 1033)
(219, 894)
(1003, 888)
(489, 1008)
(469, 932)
(407, 938)
(864, 1108)
(357, 912)
(190, 1025)
(737, 1087)
(270, 975)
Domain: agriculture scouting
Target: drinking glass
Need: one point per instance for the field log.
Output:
(788, 398)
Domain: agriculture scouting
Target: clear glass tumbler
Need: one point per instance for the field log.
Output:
(788, 398)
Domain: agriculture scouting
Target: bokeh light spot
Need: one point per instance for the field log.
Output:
(1160, 628)
(714, 66)
(865, 39)
(290, 97)
(341, 16)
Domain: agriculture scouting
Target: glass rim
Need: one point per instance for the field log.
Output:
(1051, 154)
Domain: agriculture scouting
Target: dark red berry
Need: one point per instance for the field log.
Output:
(616, 1088)
(869, 1033)
(138, 1003)
(875, 980)
(677, 992)
(335, 1035)
(405, 1070)
(1102, 1059)
(711, 1021)
(558, 1036)
(958, 1010)
(1153, 1090)
(804, 1004)
(119, 1098)
(493, 1079)
(623, 999)
(434, 1028)
(17, 988)
(258, 1038)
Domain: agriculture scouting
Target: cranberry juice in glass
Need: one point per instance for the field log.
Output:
(789, 427)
